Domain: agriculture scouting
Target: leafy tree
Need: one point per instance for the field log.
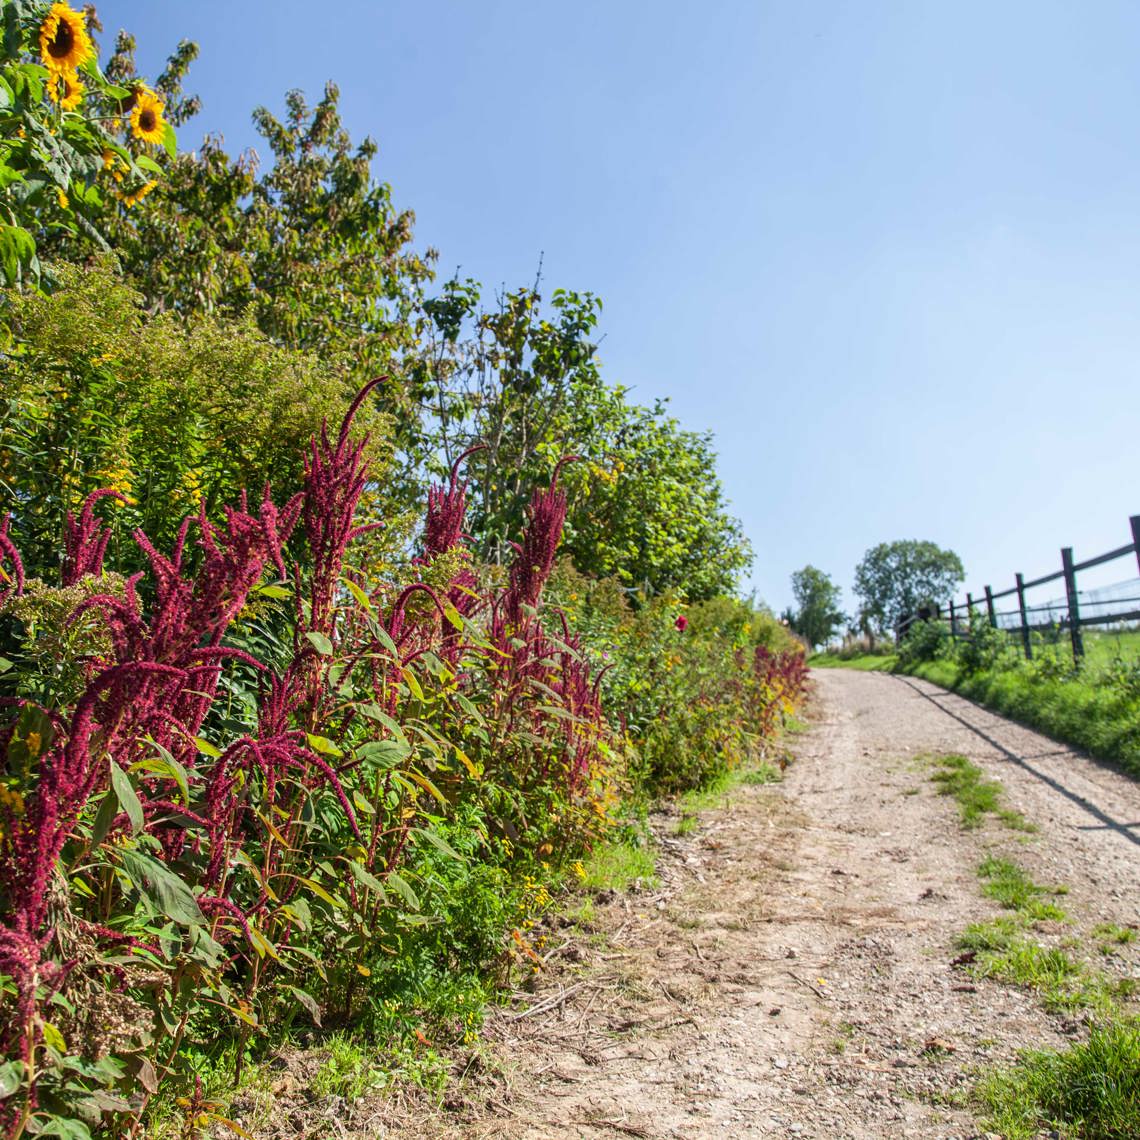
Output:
(895, 578)
(817, 599)
(309, 245)
(645, 503)
(648, 507)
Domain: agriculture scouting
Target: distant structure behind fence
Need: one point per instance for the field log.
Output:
(1009, 610)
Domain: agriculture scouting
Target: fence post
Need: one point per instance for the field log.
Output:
(1074, 604)
(990, 607)
(970, 614)
(1024, 617)
(953, 620)
(1135, 521)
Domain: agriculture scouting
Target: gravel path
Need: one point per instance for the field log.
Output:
(792, 974)
(794, 977)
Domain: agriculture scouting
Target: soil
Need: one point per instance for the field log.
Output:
(792, 972)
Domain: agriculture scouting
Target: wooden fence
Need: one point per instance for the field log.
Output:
(1027, 619)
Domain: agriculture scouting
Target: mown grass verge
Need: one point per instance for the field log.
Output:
(1080, 710)
(1096, 708)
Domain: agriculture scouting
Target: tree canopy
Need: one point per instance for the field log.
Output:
(817, 614)
(894, 578)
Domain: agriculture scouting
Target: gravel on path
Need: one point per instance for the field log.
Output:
(792, 973)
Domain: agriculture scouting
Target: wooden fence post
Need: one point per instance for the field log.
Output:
(990, 607)
(1135, 521)
(970, 614)
(953, 620)
(1024, 618)
(1074, 604)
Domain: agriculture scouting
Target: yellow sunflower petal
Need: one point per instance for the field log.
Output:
(64, 42)
(147, 122)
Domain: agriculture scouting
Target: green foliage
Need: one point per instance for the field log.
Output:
(96, 393)
(1008, 884)
(1096, 707)
(895, 579)
(308, 247)
(615, 866)
(64, 129)
(646, 506)
(924, 641)
(817, 615)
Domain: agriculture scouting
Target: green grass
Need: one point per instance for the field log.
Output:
(1111, 934)
(1006, 953)
(977, 797)
(616, 866)
(1090, 1090)
(865, 662)
(714, 794)
(1009, 885)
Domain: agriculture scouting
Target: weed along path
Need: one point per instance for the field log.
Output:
(798, 967)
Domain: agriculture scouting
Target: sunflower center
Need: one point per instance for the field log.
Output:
(62, 42)
(147, 121)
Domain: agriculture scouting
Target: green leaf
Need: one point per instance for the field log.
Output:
(166, 893)
(320, 643)
(375, 712)
(321, 893)
(11, 1077)
(65, 1127)
(207, 749)
(439, 842)
(322, 744)
(309, 1002)
(166, 765)
(127, 797)
(400, 885)
(170, 141)
(362, 599)
(366, 879)
(384, 753)
(413, 684)
(279, 593)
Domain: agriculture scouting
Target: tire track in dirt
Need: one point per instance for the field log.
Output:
(792, 975)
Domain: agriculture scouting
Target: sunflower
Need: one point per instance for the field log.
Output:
(65, 89)
(64, 42)
(147, 122)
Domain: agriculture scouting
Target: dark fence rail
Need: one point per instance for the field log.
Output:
(1110, 605)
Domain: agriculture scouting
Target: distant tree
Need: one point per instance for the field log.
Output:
(895, 578)
(817, 615)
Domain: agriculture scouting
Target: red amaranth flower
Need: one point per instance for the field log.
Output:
(682, 623)
(86, 539)
(534, 559)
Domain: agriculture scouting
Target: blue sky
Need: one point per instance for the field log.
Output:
(887, 252)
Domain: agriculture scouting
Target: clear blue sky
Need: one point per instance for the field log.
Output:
(888, 252)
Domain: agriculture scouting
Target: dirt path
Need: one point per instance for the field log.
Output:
(792, 976)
